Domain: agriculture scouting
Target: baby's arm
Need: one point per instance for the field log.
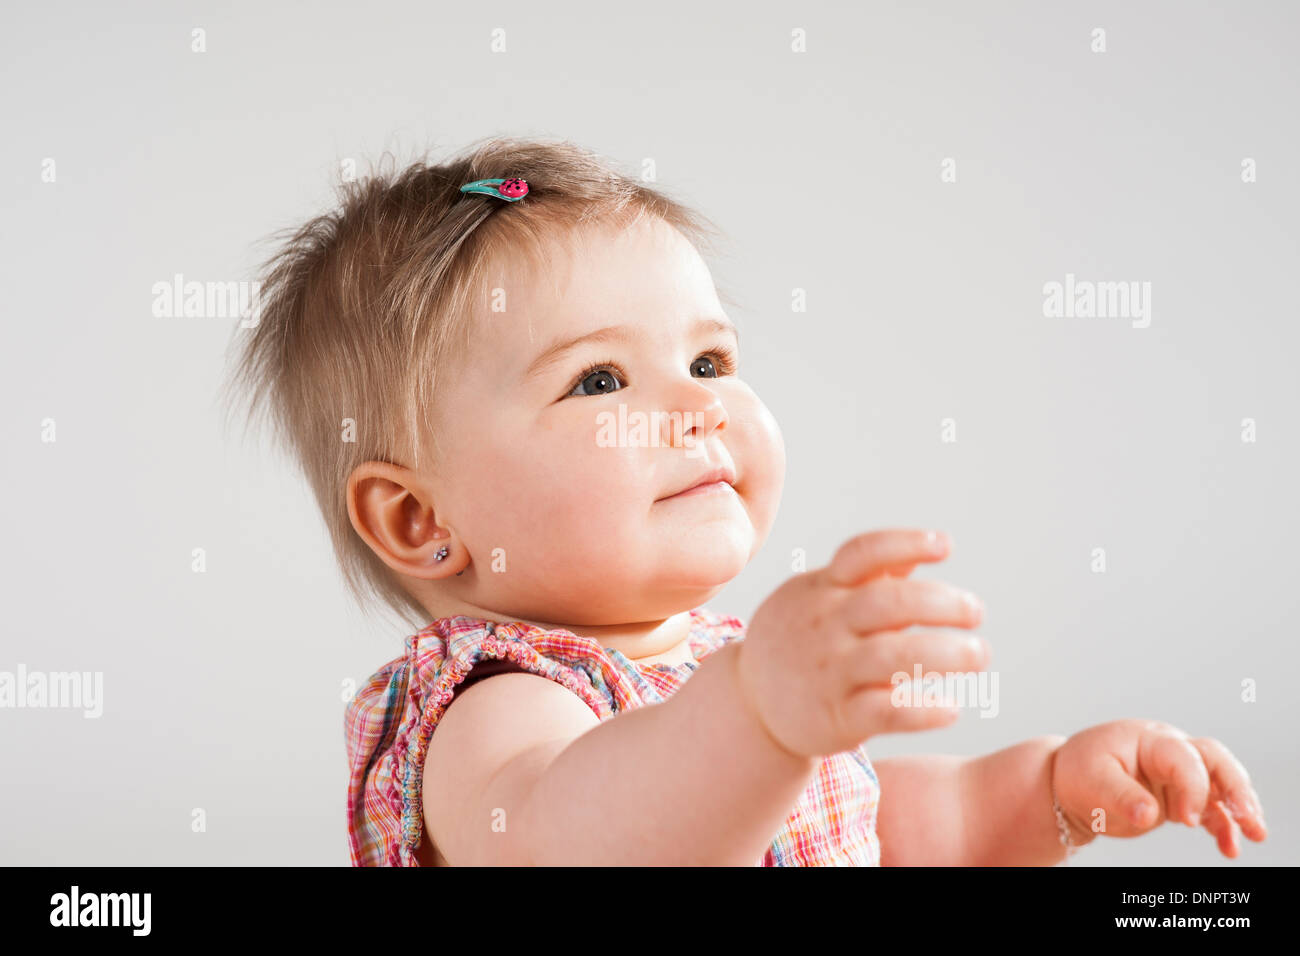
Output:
(995, 810)
(695, 779)
(1122, 778)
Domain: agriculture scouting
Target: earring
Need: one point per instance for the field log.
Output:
(442, 553)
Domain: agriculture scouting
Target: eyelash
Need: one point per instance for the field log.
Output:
(727, 366)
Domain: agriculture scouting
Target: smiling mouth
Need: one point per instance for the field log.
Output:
(720, 479)
(707, 488)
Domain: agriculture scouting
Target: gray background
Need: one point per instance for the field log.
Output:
(223, 690)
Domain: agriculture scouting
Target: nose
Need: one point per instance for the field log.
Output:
(694, 413)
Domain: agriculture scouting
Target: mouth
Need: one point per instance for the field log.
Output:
(718, 481)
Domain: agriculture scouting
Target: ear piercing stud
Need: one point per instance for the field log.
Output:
(442, 553)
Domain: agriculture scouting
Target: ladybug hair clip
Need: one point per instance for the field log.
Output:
(511, 190)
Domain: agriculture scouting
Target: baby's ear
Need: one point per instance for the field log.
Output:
(392, 510)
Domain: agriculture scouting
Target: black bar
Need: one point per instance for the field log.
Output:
(245, 904)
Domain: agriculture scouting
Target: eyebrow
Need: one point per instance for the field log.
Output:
(613, 333)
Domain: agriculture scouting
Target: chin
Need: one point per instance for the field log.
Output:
(709, 567)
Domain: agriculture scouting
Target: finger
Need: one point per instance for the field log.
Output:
(877, 710)
(870, 554)
(1231, 784)
(888, 603)
(1168, 760)
(1130, 808)
(887, 654)
(901, 571)
(1219, 822)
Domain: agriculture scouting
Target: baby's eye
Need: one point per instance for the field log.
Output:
(707, 368)
(703, 366)
(600, 380)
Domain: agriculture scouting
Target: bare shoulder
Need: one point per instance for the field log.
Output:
(492, 742)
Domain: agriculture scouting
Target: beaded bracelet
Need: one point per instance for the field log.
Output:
(1062, 827)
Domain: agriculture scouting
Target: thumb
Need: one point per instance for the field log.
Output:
(901, 570)
(1126, 802)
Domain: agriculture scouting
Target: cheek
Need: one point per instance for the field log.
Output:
(759, 449)
(588, 485)
(552, 489)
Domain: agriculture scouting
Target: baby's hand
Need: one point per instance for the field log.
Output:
(1142, 772)
(820, 653)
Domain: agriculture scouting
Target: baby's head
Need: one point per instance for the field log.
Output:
(415, 350)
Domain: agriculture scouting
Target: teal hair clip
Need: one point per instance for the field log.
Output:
(511, 190)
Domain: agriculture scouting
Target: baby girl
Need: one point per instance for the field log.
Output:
(444, 354)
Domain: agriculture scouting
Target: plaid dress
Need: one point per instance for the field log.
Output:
(389, 722)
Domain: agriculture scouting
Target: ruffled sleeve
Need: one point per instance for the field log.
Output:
(390, 722)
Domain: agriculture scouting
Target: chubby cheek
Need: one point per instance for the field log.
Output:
(553, 499)
(756, 444)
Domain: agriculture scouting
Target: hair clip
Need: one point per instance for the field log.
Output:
(511, 190)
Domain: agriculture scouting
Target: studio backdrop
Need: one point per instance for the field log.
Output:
(1024, 272)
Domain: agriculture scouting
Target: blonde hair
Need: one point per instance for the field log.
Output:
(362, 310)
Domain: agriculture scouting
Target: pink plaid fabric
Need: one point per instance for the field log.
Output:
(389, 722)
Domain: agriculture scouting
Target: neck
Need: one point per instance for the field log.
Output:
(644, 642)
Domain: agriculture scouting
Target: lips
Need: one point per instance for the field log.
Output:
(710, 477)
